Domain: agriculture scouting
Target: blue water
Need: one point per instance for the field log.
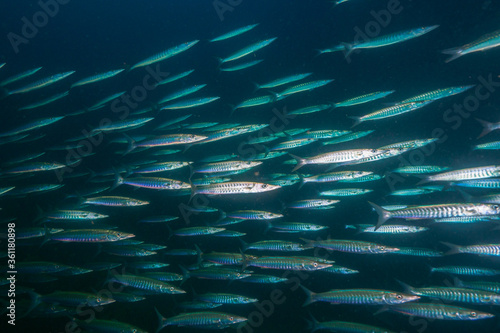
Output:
(93, 36)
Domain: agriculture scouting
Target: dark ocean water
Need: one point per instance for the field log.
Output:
(96, 36)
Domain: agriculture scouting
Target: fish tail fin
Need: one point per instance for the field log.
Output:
(467, 196)
(4, 93)
(383, 215)
(118, 180)
(357, 120)
(233, 108)
(310, 296)
(309, 242)
(244, 245)
(46, 236)
(131, 144)
(162, 321)
(199, 254)
(244, 261)
(220, 61)
(312, 323)
(35, 301)
(487, 127)
(408, 289)
(256, 86)
(455, 53)
(348, 48)
(185, 274)
(318, 52)
(300, 162)
(193, 191)
(454, 249)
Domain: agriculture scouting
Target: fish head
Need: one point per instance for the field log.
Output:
(173, 290)
(470, 315)
(382, 249)
(261, 187)
(399, 298)
(118, 235)
(100, 301)
(233, 319)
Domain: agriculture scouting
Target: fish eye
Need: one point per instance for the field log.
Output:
(315, 264)
(382, 248)
(473, 314)
(171, 288)
(264, 185)
(231, 318)
(374, 150)
(495, 206)
(398, 296)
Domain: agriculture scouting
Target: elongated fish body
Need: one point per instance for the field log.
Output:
(293, 144)
(35, 167)
(233, 33)
(114, 201)
(41, 83)
(437, 94)
(31, 126)
(170, 139)
(336, 176)
(440, 311)
(418, 252)
(359, 296)
(226, 298)
(35, 188)
(74, 215)
(391, 111)
(321, 134)
(89, 236)
(454, 294)
(481, 249)
(227, 166)
(484, 43)
(283, 81)
(364, 98)
(218, 273)
(345, 192)
(175, 77)
(301, 87)
(224, 258)
(155, 183)
(28, 233)
(275, 245)
(345, 326)
(182, 93)
(256, 101)
(121, 125)
(146, 283)
(19, 76)
(189, 103)
(100, 104)
(165, 54)
(238, 67)
(311, 203)
(495, 145)
(480, 183)
(108, 326)
(466, 270)
(73, 298)
(197, 231)
(161, 167)
(287, 263)
(97, 78)
(348, 137)
(420, 169)
(235, 188)
(334, 157)
(248, 49)
(390, 229)
(310, 109)
(436, 211)
(203, 320)
(466, 174)
(295, 227)
(253, 215)
(390, 39)
(44, 101)
(493, 287)
(351, 246)
(128, 251)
